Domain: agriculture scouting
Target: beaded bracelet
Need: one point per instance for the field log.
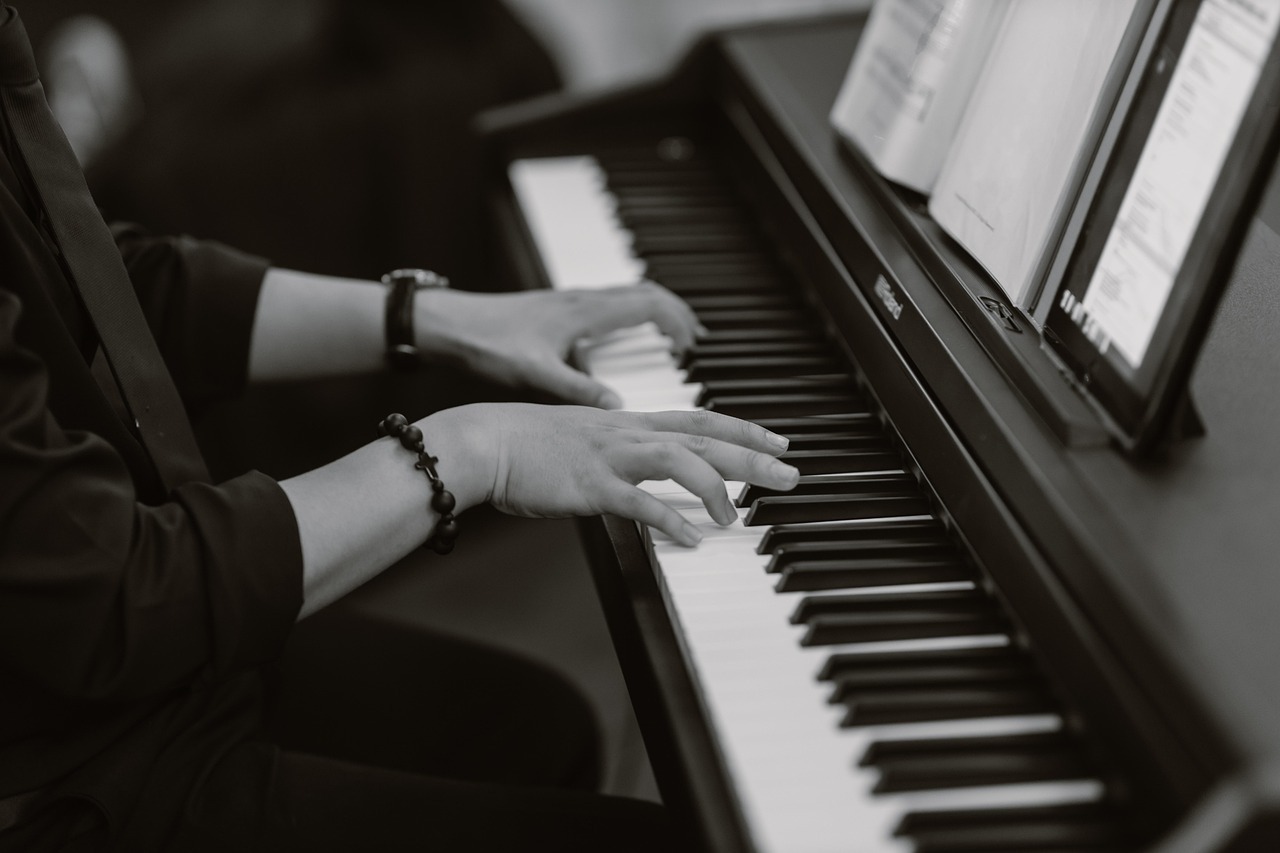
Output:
(442, 500)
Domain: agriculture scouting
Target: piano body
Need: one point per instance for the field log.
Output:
(977, 626)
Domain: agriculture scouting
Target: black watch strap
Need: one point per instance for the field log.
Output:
(402, 286)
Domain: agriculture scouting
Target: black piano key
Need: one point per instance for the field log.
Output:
(1048, 837)
(710, 369)
(996, 767)
(884, 707)
(813, 575)
(853, 671)
(827, 484)
(943, 601)
(646, 217)
(694, 286)
(852, 531)
(825, 383)
(741, 301)
(754, 318)
(884, 751)
(637, 176)
(645, 244)
(720, 264)
(670, 195)
(795, 552)
(829, 629)
(866, 439)
(773, 334)
(822, 424)
(797, 346)
(837, 460)
(924, 821)
(786, 509)
(753, 406)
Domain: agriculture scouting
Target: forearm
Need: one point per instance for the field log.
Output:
(358, 515)
(309, 326)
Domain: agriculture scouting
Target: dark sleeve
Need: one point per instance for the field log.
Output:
(199, 298)
(103, 597)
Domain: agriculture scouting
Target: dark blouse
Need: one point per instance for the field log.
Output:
(133, 624)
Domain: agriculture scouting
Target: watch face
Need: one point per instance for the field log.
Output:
(419, 277)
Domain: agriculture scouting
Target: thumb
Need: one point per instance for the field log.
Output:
(572, 386)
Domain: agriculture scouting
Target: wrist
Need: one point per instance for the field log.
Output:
(465, 464)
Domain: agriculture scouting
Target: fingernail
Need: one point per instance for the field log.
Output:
(610, 400)
(779, 441)
(702, 331)
(692, 535)
(788, 474)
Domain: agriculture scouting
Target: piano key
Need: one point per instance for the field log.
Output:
(812, 575)
(905, 705)
(861, 439)
(751, 318)
(785, 535)
(694, 243)
(754, 336)
(814, 424)
(784, 555)
(785, 509)
(827, 484)
(827, 629)
(778, 367)
(752, 406)
(949, 601)
(963, 762)
(953, 666)
(572, 222)
(797, 346)
(866, 459)
(1089, 826)
(741, 301)
(830, 383)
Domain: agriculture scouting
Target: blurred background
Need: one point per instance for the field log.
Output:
(334, 136)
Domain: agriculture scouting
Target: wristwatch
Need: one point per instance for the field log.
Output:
(402, 286)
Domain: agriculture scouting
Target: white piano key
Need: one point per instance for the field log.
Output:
(572, 223)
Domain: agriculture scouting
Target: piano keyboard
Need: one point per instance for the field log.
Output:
(864, 688)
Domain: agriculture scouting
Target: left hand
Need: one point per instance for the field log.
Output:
(522, 339)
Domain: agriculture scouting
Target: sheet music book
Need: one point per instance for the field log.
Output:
(1024, 139)
(910, 79)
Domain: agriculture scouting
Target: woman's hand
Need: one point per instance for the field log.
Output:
(556, 461)
(523, 339)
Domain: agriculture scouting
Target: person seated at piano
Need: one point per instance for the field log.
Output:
(142, 608)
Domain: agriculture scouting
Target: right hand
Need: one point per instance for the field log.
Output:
(559, 461)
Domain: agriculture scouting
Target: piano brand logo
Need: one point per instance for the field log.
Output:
(888, 297)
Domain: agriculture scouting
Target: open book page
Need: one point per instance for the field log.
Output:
(910, 80)
(1004, 185)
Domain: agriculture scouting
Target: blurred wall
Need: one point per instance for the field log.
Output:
(603, 43)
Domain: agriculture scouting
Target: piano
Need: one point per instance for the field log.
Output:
(975, 625)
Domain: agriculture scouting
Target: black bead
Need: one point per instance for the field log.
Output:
(392, 424)
(437, 485)
(443, 501)
(447, 529)
(411, 437)
(441, 547)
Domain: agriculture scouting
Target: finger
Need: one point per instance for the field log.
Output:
(618, 307)
(717, 426)
(629, 502)
(669, 460)
(574, 386)
(734, 462)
